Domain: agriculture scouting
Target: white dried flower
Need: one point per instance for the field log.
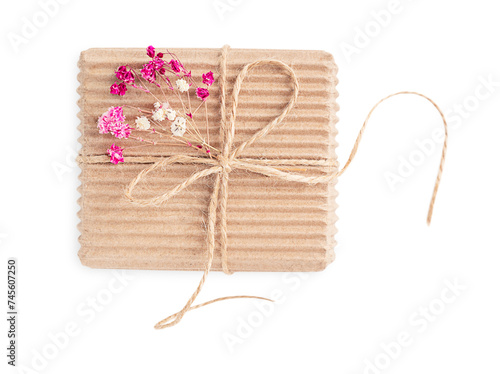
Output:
(182, 85)
(159, 115)
(142, 123)
(157, 105)
(170, 113)
(178, 127)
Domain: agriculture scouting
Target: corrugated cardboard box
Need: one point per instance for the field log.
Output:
(273, 225)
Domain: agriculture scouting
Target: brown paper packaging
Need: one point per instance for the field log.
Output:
(273, 225)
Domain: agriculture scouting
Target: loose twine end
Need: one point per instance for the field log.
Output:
(166, 322)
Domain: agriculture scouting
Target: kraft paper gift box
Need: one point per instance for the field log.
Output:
(273, 225)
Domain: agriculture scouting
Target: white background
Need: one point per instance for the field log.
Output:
(389, 264)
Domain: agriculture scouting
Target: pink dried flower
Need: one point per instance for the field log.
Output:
(202, 93)
(151, 51)
(116, 114)
(189, 115)
(118, 89)
(116, 154)
(121, 130)
(112, 122)
(102, 125)
(208, 78)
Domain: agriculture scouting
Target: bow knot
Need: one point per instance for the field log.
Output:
(225, 163)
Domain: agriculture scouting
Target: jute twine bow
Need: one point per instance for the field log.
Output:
(229, 160)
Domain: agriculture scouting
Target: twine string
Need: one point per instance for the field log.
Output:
(443, 152)
(226, 138)
(228, 160)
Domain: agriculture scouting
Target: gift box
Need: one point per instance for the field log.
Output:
(272, 224)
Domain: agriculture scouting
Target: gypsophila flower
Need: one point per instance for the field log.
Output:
(176, 66)
(178, 127)
(116, 154)
(121, 130)
(159, 115)
(103, 125)
(208, 78)
(129, 77)
(159, 105)
(142, 123)
(118, 89)
(170, 113)
(202, 93)
(182, 85)
(160, 73)
(125, 75)
(110, 119)
(150, 51)
(158, 64)
(120, 72)
(148, 72)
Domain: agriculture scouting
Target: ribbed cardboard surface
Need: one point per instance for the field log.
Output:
(272, 225)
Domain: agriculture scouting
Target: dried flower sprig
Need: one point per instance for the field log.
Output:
(161, 121)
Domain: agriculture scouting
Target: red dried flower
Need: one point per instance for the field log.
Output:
(120, 73)
(118, 89)
(202, 93)
(208, 78)
(151, 51)
(176, 66)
